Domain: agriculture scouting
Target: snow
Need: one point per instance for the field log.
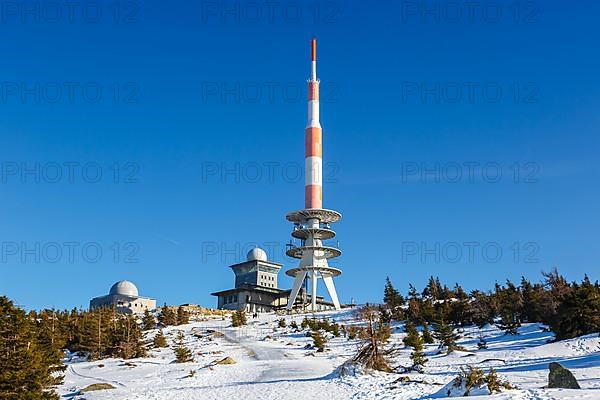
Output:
(273, 363)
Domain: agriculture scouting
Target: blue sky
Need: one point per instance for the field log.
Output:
(163, 99)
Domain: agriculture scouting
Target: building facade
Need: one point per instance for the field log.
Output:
(124, 296)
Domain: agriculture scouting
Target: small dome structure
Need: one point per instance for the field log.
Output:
(256, 254)
(124, 288)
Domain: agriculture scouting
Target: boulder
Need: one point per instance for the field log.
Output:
(226, 361)
(349, 368)
(97, 386)
(560, 377)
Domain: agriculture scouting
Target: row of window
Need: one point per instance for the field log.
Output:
(264, 278)
(230, 299)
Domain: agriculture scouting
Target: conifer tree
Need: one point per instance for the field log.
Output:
(183, 317)
(427, 338)
(510, 306)
(446, 336)
(414, 313)
(412, 336)
(393, 301)
(167, 316)
(27, 372)
(238, 318)
(148, 321)
(95, 333)
(433, 290)
(459, 312)
(417, 356)
(182, 353)
(482, 308)
(374, 353)
(494, 383)
(305, 323)
(128, 338)
(579, 312)
(160, 340)
(318, 341)
(482, 343)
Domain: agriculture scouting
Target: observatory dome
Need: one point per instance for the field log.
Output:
(256, 254)
(124, 288)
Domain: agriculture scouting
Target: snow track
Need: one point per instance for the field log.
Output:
(95, 379)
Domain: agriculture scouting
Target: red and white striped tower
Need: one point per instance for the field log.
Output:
(312, 225)
(314, 141)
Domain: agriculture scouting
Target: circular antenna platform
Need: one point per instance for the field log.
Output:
(323, 215)
(325, 271)
(317, 233)
(328, 252)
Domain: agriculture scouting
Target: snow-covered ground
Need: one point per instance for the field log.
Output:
(273, 363)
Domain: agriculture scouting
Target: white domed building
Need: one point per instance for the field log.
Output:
(125, 297)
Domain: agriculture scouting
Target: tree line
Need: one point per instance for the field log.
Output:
(569, 309)
(32, 343)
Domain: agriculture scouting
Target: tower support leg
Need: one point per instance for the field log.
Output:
(313, 297)
(298, 280)
(328, 280)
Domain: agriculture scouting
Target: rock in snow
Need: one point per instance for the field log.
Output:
(561, 378)
(226, 361)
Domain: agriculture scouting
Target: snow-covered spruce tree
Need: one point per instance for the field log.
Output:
(160, 340)
(473, 379)
(27, 371)
(417, 356)
(238, 318)
(414, 312)
(96, 332)
(335, 329)
(374, 354)
(459, 311)
(579, 311)
(470, 378)
(148, 321)
(482, 343)
(128, 339)
(318, 341)
(427, 338)
(495, 384)
(305, 323)
(167, 316)
(51, 336)
(510, 307)
(412, 335)
(482, 308)
(183, 317)
(393, 302)
(535, 300)
(444, 333)
(182, 353)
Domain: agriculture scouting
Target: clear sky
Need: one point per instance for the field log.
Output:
(192, 116)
